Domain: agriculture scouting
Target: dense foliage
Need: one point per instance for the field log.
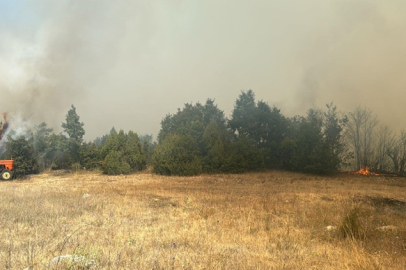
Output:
(122, 153)
(21, 150)
(41, 149)
(256, 137)
(199, 139)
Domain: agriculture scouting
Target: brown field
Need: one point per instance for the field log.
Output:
(272, 220)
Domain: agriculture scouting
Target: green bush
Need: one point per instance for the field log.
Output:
(114, 164)
(90, 156)
(22, 151)
(177, 155)
(243, 156)
(134, 152)
(123, 153)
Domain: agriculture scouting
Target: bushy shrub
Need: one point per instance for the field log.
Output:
(133, 152)
(123, 153)
(177, 155)
(243, 156)
(215, 139)
(22, 151)
(114, 164)
(90, 156)
(351, 225)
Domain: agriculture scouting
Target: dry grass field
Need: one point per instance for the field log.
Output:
(272, 220)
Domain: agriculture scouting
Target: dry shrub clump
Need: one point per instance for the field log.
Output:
(351, 225)
(271, 220)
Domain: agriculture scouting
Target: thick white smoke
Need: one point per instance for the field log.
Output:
(17, 127)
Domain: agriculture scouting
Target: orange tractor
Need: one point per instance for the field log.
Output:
(6, 169)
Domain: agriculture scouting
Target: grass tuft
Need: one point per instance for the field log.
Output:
(351, 225)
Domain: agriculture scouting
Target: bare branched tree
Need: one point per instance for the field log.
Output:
(360, 135)
(384, 139)
(397, 153)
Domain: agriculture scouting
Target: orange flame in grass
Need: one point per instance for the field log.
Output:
(365, 171)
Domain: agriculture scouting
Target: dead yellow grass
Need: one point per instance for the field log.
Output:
(272, 220)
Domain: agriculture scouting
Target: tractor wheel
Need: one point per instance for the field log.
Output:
(6, 175)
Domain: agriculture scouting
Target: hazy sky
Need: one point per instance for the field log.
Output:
(128, 63)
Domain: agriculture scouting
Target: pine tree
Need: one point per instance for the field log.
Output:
(57, 155)
(112, 144)
(177, 155)
(73, 126)
(114, 164)
(122, 153)
(134, 153)
(90, 156)
(215, 139)
(21, 150)
(40, 143)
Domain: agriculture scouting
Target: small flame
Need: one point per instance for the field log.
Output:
(365, 171)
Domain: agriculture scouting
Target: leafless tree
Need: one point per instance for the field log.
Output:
(384, 140)
(360, 135)
(397, 153)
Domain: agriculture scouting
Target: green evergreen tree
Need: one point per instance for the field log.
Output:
(148, 145)
(73, 127)
(134, 153)
(41, 133)
(333, 129)
(177, 155)
(122, 138)
(243, 156)
(191, 123)
(127, 148)
(215, 138)
(264, 125)
(314, 144)
(100, 141)
(57, 154)
(114, 164)
(112, 144)
(90, 156)
(40, 143)
(271, 130)
(287, 153)
(191, 120)
(243, 119)
(21, 150)
(309, 139)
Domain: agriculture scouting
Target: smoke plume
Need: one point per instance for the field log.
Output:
(128, 63)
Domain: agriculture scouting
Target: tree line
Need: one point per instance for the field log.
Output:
(41, 149)
(199, 138)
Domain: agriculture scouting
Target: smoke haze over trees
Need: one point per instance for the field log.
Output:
(115, 59)
(127, 64)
